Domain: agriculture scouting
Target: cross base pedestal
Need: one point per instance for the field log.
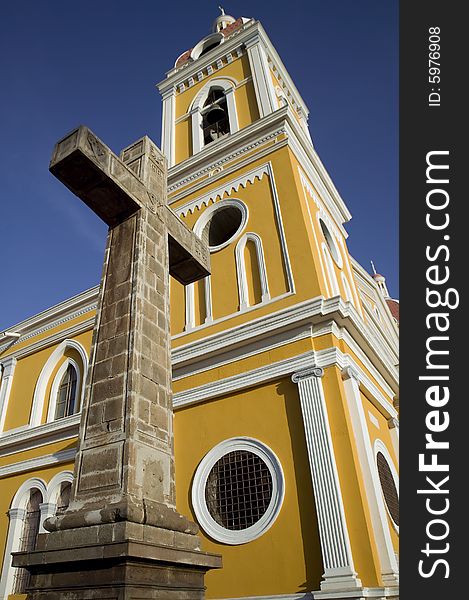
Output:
(117, 561)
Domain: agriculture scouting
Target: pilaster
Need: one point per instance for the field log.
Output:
(339, 572)
(8, 369)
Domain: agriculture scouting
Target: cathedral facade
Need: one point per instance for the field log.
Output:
(285, 358)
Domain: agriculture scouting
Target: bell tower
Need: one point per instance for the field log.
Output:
(245, 176)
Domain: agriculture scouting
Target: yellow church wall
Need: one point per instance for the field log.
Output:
(258, 198)
(287, 557)
(27, 372)
(357, 515)
(9, 487)
(243, 365)
(37, 452)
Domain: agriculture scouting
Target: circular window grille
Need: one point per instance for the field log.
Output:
(388, 485)
(221, 223)
(331, 243)
(238, 490)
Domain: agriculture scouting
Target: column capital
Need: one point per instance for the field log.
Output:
(350, 373)
(307, 373)
(8, 364)
(16, 513)
(393, 423)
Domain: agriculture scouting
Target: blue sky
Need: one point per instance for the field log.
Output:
(65, 63)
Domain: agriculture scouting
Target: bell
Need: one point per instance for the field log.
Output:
(214, 114)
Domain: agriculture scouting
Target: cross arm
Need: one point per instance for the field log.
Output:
(189, 257)
(90, 169)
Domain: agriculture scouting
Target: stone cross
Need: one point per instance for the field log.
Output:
(124, 485)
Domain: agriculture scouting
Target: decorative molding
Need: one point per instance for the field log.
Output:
(26, 438)
(205, 519)
(55, 316)
(218, 193)
(319, 359)
(307, 373)
(38, 463)
(7, 366)
(315, 310)
(55, 338)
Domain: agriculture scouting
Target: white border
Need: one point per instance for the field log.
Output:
(211, 210)
(55, 390)
(379, 446)
(208, 524)
(46, 373)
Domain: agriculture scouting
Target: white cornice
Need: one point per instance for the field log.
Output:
(38, 463)
(312, 311)
(54, 316)
(321, 359)
(226, 149)
(227, 188)
(22, 438)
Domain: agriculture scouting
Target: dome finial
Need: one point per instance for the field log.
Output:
(222, 21)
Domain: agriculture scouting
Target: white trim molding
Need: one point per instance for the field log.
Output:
(241, 269)
(388, 563)
(8, 366)
(168, 144)
(339, 570)
(202, 513)
(380, 446)
(208, 214)
(16, 515)
(46, 373)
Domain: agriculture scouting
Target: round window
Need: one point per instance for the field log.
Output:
(388, 485)
(221, 223)
(238, 490)
(331, 243)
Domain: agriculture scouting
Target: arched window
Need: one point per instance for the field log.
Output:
(66, 403)
(253, 287)
(215, 119)
(213, 112)
(28, 539)
(62, 355)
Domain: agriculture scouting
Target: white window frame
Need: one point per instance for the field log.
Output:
(241, 269)
(46, 373)
(55, 389)
(203, 516)
(16, 515)
(379, 446)
(332, 245)
(208, 214)
(228, 86)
